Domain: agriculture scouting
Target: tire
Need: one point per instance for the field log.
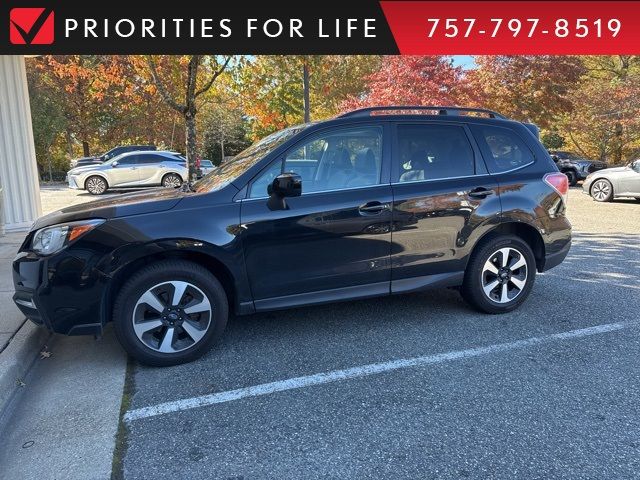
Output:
(478, 278)
(96, 185)
(601, 190)
(192, 333)
(637, 199)
(171, 180)
(572, 177)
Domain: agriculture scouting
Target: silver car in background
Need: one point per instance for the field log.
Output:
(605, 185)
(206, 166)
(131, 170)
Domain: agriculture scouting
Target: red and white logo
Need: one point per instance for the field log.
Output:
(31, 26)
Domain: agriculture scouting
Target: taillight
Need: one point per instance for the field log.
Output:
(559, 182)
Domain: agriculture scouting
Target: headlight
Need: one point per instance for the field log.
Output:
(49, 240)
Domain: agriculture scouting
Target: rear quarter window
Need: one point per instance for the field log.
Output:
(502, 148)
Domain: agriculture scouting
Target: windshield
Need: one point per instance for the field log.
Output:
(206, 163)
(229, 171)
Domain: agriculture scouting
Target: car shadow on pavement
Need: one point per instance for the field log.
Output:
(323, 337)
(611, 259)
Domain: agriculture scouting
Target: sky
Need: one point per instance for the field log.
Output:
(465, 61)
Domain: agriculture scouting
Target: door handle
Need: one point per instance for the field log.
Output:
(373, 208)
(480, 192)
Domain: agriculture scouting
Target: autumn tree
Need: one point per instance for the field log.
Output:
(278, 91)
(101, 99)
(533, 88)
(413, 80)
(223, 123)
(605, 122)
(183, 96)
(85, 81)
(47, 118)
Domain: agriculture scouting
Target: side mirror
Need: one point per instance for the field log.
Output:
(114, 164)
(286, 184)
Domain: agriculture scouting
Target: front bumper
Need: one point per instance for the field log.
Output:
(586, 186)
(73, 182)
(64, 292)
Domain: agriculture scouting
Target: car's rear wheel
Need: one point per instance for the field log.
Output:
(500, 274)
(572, 177)
(171, 180)
(602, 190)
(170, 312)
(96, 185)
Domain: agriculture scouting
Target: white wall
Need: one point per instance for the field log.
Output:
(18, 170)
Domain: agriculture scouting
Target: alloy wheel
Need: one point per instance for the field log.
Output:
(504, 275)
(601, 190)
(171, 317)
(96, 185)
(171, 181)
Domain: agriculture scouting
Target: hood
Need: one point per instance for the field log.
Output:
(87, 168)
(76, 160)
(150, 201)
(613, 170)
(83, 158)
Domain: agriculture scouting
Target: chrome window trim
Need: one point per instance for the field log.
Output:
(465, 176)
(429, 180)
(322, 191)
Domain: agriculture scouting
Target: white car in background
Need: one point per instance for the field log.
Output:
(206, 166)
(605, 185)
(131, 170)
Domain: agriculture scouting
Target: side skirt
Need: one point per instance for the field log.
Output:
(406, 285)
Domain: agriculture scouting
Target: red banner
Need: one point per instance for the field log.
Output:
(527, 27)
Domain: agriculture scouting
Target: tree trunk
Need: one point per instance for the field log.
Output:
(85, 148)
(190, 122)
(69, 144)
(305, 84)
(222, 150)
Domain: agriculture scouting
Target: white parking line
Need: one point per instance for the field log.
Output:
(363, 371)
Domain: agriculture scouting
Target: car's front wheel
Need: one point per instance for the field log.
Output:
(96, 185)
(500, 274)
(170, 312)
(572, 177)
(171, 180)
(602, 190)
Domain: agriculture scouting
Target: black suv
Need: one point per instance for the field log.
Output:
(574, 166)
(375, 202)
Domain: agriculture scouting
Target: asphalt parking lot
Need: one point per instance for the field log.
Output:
(415, 386)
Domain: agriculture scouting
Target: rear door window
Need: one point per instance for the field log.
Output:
(502, 148)
(151, 159)
(432, 152)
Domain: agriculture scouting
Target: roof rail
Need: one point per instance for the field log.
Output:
(365, 112)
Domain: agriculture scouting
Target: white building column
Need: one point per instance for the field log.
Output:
(18, 169)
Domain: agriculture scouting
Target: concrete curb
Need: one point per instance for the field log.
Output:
(17, 358)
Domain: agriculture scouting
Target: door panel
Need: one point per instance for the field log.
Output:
(433, 223)
(442, 193)
(125, 173)
(337, 234)
(322, 241)
(149, 168)
(630, 180)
